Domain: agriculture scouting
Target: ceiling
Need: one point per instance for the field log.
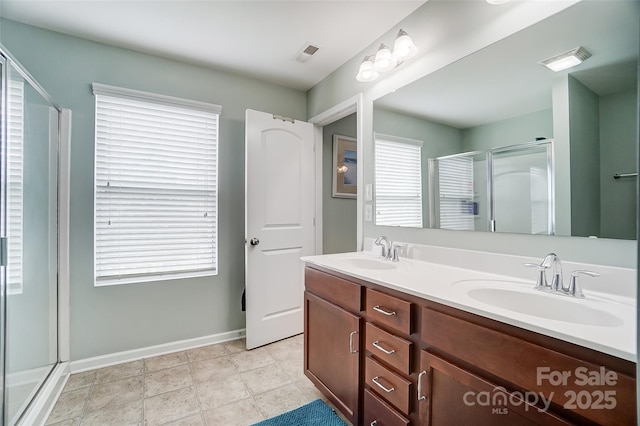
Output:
(504, 80)
(255, 38)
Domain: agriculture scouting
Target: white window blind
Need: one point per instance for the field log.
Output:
(156, 187)
(455, 186)
(398, 181)
(14, 175)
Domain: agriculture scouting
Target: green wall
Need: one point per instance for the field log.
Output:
(339, 215)
(584, 128)
(511, 131)
(438, 140)
(618, 153)
(117, 318)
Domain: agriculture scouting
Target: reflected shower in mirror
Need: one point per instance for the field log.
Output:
(502, 97)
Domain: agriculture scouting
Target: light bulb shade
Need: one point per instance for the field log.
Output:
(384, 60)
(403, 48)
(366, 72)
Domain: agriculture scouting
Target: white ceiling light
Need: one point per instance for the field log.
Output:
(497, 1)
(567, 59)
(403, 48)
(366, 72)
(385, 59)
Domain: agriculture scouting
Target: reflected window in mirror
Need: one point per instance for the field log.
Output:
(455, 203)
(398, 181)
(13, 205)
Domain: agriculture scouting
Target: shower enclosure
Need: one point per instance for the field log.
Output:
(30, 124)
(509, 189)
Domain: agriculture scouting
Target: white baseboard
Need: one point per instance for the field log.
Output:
(150, 351)
(45, 400)
(25, 377)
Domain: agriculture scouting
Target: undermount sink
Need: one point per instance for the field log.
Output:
(361, 263)
(548, 306)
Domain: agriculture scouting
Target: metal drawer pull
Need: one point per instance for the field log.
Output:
(351, 342)
(376, 345)
(420, 396)
(374, 423)
(377, 308)
(381, 386)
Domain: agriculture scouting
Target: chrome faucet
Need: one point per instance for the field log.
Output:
(386, 247)
(552, 261)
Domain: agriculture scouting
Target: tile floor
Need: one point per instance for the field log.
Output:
(222, 384)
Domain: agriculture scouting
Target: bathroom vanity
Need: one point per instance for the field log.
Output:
(418, 343)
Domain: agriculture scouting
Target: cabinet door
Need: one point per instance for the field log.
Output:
(331, 358)
(449, 395)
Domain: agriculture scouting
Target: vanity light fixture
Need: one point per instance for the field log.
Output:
(385, 59)
(567, 59)
(366, 72)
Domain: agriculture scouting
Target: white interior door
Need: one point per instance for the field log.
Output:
(279, 224)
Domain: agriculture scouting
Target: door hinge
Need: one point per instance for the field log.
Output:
(314, 221)
(283, 118)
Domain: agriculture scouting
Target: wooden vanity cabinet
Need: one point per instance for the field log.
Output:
(450, 395)
(332, 341)
(447, 366)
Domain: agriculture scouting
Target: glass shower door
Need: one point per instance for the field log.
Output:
(458, 192)
(29, 222)
(522, 181)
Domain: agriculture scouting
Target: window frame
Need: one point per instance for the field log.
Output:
(390, 139)
(167, 101)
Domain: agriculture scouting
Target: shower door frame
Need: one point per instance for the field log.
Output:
(44, 397)
(548, 144)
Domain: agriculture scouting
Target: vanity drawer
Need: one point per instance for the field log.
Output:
(523, 364)
(390, 386)
(388, 348)
(388, 310)
(378, 411)
(336, 290)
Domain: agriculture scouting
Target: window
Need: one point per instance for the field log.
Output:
(455, 186)
(14, 175)
(156, 187)
(398, 180)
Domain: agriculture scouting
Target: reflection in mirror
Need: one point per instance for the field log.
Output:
(502, 97)
(458, 187)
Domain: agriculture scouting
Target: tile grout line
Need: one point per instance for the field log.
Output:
(291, 379)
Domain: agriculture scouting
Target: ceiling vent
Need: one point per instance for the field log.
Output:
(307, 51)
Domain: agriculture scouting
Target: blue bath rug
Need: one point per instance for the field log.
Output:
(315, 413)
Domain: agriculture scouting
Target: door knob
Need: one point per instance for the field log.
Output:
(254, 241)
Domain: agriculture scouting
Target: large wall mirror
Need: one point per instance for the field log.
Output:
(498, 142)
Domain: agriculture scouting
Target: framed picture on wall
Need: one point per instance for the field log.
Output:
(345, 167)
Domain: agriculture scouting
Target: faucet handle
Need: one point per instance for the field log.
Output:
(574, 286)
(395, 249)
(542, 275)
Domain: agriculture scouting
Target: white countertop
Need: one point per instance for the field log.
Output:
(606, 323)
